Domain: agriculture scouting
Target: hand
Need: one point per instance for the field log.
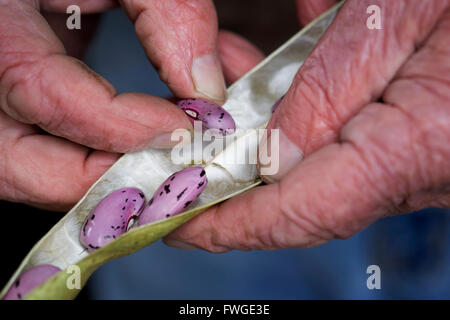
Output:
(43, 90)
(364, 133)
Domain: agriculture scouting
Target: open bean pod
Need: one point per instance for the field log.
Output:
(250, 100)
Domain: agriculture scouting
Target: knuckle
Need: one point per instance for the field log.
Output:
(300, 224)
(23, 93)
(381, 138)
(343, 209)
(314, 84)
(401, 153)
(310, 102)
(431, 197)
(428, 116)
(310, 95)
(13, 80)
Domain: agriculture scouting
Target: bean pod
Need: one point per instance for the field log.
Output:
(175, 195)
(111, 217)
(29, 280)
(210, 114)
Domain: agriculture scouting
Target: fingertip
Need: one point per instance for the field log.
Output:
(180, 38)
(148, 122)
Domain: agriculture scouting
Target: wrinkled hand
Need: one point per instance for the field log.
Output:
(43, 90)
(364, 133)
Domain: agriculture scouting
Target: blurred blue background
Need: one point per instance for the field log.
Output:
(411, 250)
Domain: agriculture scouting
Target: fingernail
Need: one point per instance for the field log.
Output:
(283, 156)
(164, 141)
(208, 78)
(179, 245)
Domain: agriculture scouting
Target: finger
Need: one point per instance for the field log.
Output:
(45, 171)
(308, 10)
(180, 38)
(420, 88)
(237, 55)
(350, 67)
(40, 85)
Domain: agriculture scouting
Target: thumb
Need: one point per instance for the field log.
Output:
(349, 68)
(335, 192)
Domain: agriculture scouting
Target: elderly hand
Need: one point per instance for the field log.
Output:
(43, 90)
(364, 133)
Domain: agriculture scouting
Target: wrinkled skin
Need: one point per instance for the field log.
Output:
(369, 112)
(366, 126)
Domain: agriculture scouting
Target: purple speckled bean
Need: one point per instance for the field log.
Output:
(210, 114)
(29, 280)
(175, 195)
(111, 217)
(275, 106)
